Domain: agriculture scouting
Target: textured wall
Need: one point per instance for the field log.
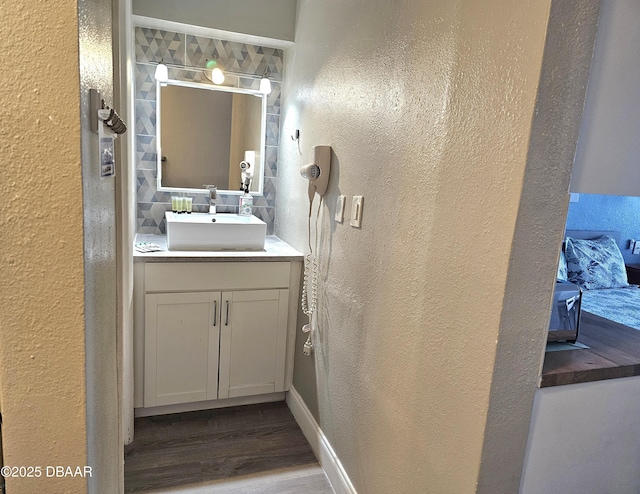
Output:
(428, 107)
(571, 32)
(42, 340)
(273, 19)
(103, 435)
(608, 154)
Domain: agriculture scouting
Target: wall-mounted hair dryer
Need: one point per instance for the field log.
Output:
(317, 172)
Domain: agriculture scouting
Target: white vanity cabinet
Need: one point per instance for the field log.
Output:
(181, 347)
(213, 331)
(253, 340)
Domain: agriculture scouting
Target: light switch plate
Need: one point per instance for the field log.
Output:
(340, 209)
(356, 211)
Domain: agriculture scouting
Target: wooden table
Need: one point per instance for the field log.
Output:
(614, 351)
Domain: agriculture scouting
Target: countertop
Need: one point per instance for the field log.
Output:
(614, 351)
(275, 250)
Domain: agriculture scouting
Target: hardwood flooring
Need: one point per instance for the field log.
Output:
(238, 450)
(614, 351)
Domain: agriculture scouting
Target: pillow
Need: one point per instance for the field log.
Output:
(562, 268)
(595, 264)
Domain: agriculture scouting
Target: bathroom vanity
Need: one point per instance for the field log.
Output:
(215, 328)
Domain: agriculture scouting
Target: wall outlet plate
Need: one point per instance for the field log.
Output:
(356, 211)
(340, 209)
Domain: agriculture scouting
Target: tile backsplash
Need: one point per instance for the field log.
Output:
(187, 54)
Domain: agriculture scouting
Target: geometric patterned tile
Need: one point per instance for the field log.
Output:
(150, 217)
(249, 83)
(231, 80)
(273, 130)
(274, 60)
(146, 185)
(271, 158)
(268, 197)
(145, 82)
(155, 45)
(227, 209)
(229, 200)
(146, 152)
(273, 100)
(162, 196)
(259, 202)
(245, 58)
(145, 117)
(234, 56)
(202, 200)
(269, 191)
(198, 50)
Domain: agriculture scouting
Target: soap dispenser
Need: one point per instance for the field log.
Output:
(245, 207)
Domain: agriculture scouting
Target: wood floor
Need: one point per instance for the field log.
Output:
(247, 449)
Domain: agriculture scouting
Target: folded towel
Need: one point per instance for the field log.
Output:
(147, 247)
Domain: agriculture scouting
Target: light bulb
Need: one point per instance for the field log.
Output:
(265, 86)
(162, 73)
(217, 76)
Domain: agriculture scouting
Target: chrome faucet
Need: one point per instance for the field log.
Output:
(213, 197)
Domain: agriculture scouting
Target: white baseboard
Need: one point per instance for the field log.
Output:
(320, 444)
(207, 405)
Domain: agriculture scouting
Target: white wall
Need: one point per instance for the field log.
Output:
(585, 439)
(608, 154)
(273, 19)
(428, 106)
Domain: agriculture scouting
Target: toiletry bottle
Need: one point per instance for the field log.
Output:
(246, 203)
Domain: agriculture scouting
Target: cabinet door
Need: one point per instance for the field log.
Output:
(181, 347)
(253, 342)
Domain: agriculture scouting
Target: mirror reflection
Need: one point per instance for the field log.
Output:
(204, 132)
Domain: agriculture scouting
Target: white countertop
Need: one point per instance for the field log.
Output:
(275, 250)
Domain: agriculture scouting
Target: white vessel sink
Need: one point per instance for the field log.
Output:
(223, 231)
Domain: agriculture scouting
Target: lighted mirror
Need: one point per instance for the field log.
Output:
(203, 132)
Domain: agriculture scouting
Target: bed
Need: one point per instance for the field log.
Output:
(593, 261)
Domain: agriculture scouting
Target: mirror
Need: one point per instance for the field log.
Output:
(203, 132)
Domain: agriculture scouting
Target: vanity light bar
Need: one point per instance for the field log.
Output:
(162, 74)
